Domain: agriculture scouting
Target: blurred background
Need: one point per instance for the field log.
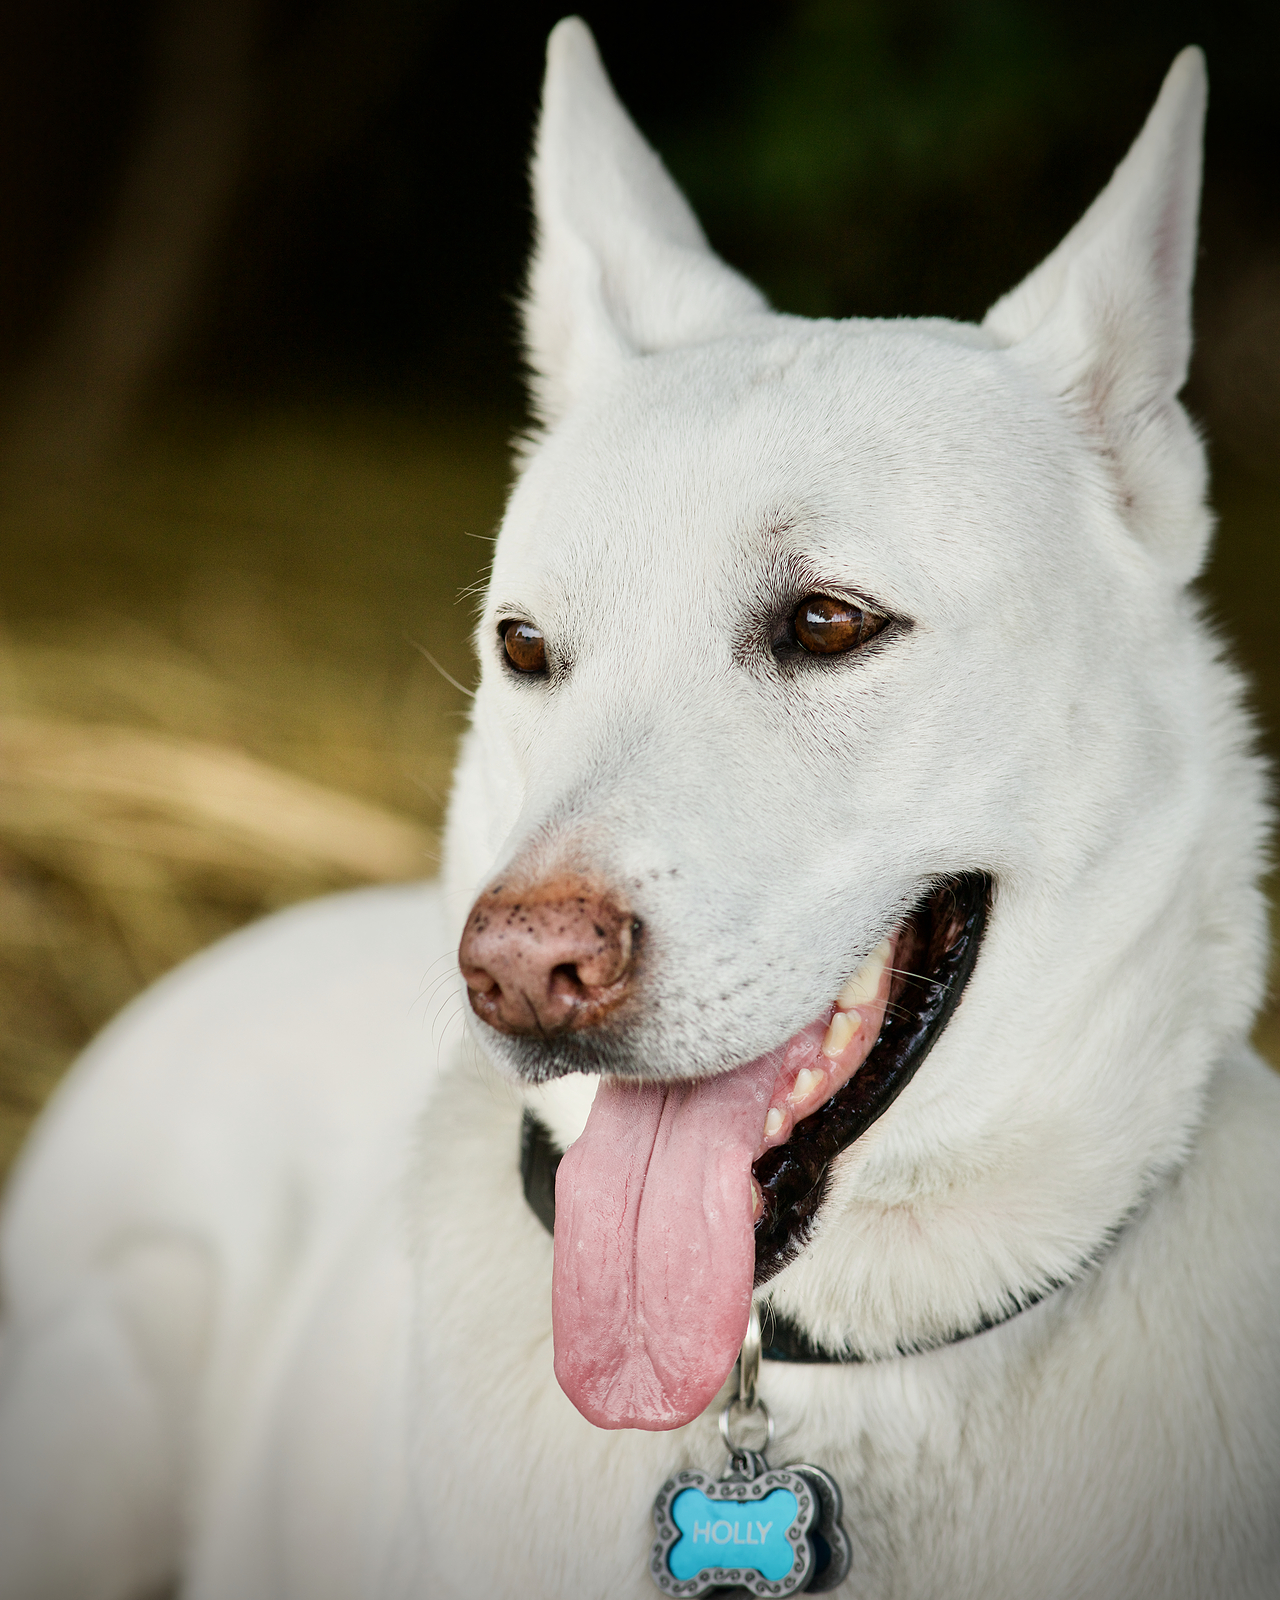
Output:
(258, 378)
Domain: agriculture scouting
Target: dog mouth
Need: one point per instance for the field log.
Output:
(930, 956)
(680, 1198)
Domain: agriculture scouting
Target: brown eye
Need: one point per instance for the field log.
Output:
(827, 627)
(526, 648)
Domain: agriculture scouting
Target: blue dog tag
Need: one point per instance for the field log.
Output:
(752, 1535)
(748, 1532)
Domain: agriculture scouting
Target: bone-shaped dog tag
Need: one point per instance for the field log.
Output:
(749, 1533)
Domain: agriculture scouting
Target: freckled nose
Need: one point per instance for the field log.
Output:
(547, 957)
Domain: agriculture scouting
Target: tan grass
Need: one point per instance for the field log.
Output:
(107, 795)
(122, 851)
(210, 704)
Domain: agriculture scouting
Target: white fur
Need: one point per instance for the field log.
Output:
(277, 1316)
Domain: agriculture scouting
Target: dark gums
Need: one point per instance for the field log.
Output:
(933, 963)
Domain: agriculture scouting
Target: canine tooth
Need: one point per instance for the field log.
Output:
(842, 1029)
(757, 1200)
(806, 1082)
(773, 1122)
(861, 989)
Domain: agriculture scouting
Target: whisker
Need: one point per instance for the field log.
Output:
(450, 996)
(427, 982)
(920, 977)
(439, 1043)
(438, 1037)
(433, 994)
(447, 676)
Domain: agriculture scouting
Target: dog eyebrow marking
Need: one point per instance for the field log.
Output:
(785, 577)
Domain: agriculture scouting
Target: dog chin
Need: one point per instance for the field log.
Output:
(538, 1061)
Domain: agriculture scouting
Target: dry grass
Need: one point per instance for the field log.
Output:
(211, 704)
(124, 851)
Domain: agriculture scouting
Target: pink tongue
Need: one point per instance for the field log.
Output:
(654, 1246)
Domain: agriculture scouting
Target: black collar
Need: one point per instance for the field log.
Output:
(784, 1340)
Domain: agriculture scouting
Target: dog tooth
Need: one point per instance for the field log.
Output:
(757, 1200)
(842, 1029)
(773, 1122)
(862, 988)
(806, 1082)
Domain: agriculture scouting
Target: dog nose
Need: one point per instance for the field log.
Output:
(547, 957)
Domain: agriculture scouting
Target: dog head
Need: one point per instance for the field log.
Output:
(802, 639)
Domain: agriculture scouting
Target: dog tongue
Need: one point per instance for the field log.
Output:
(654, 1246)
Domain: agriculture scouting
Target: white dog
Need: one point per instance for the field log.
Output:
(812, 649)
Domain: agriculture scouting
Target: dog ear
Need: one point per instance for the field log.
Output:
(1108, 317)
(620, 267)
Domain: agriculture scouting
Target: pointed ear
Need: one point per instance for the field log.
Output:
(1107, 317)
(620, 267)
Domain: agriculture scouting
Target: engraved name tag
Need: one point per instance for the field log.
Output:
(750, 1533)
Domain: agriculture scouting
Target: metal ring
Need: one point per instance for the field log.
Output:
(757, 1410)
(749, 1361)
